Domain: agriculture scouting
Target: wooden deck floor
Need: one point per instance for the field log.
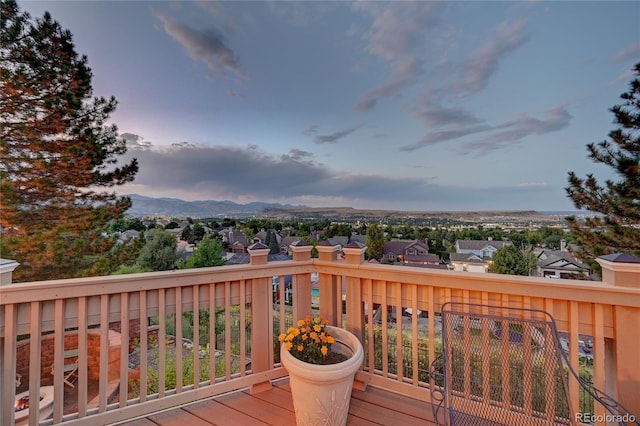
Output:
(275, 407)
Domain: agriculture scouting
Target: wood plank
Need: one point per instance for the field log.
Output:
(374, 406)
(177, 417)
(359, 421)
(139, 422)
(217, 413)
(276, 396)
(381, 415)
(395, 402)
(257, 408)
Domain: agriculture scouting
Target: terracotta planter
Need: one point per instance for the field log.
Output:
(321, 393)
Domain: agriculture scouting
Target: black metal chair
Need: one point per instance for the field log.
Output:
(505, 366)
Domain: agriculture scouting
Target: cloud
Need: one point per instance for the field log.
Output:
(245, 174)
(298, 13)
(218, 10)
(624, 77)
(335, 137)
(405, 74)
(208, 45)
(631, 52)
(249, 173)
(517, 130)
(484, 61)
(297, 155)
(135, 142)
(441, 136)
(393, 36)
(312, 130)
(397, 26)
(233, 94)
(534, 184)
(434, 114)
(499, 136)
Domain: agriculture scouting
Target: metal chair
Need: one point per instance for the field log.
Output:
(69, 370)
(505, 366)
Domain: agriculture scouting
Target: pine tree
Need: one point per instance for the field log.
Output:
(58, 157)
(616, 229)
(274, 247)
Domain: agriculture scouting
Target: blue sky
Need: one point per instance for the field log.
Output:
(394, 105)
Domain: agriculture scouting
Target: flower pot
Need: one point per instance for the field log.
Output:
(321, 393)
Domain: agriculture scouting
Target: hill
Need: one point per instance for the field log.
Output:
(173, 207)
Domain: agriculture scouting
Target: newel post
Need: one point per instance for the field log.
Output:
(354, 255)
(7, 366)
(261, 329)
(6, 270)
(623, 270)
(301, 284)
(328, 285)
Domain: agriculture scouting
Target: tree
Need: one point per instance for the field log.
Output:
(618, 202)
(159, 253)
(208, 253)
(198, 233)
(375, 242)
(511, 260)
(58, 157)
(274, 247)
(187, 233)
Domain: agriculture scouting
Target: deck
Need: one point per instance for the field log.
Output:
(374, 406)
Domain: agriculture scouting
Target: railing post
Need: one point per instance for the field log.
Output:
(301, 283)
(261, 327)
(6, 271)
(354, 255)
(623, 270)
(328, 283)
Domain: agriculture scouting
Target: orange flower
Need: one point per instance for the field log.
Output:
(310, 339)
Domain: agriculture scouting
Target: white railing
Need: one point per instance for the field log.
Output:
(112, 321)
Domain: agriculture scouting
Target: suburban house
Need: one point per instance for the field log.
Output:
(236, 241)
(560, 264)
(415, 252)
(475, 255)
(261, 237)
(285, 242)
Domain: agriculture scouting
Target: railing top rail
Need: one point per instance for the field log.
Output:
(565, 289)
(579, 291)
(112, 284)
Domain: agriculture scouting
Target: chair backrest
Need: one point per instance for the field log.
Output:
(503, 366)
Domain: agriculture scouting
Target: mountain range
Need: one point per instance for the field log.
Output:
(173, 207)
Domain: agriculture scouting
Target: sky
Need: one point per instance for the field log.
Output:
(458, 105)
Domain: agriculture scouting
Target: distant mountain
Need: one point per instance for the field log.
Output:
(173, 207)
